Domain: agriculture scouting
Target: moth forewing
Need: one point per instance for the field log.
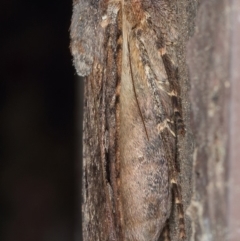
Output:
(145, 196)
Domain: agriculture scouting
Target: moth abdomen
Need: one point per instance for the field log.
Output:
(145, 197)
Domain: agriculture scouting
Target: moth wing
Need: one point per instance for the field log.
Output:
(152, 81)
(145, 156)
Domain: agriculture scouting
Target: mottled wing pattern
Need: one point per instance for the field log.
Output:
(148, 117)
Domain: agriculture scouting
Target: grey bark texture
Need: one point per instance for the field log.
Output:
(208, 60)
(213, 62)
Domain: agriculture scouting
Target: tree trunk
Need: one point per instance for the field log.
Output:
(213, 62)
(208, 60)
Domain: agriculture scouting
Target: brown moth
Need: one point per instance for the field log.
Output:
(125, 49)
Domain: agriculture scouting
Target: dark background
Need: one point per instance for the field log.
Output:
(38, 157)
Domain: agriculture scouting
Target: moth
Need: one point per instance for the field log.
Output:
(126, 52)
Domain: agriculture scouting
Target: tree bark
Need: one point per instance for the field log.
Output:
(208, 59)
(213, 57)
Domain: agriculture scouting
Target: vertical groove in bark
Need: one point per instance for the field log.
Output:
(95, 211)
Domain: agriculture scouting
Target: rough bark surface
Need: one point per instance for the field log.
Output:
(203, 54)
(209, 62)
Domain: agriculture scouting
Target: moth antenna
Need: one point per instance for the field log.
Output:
(135, 93)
